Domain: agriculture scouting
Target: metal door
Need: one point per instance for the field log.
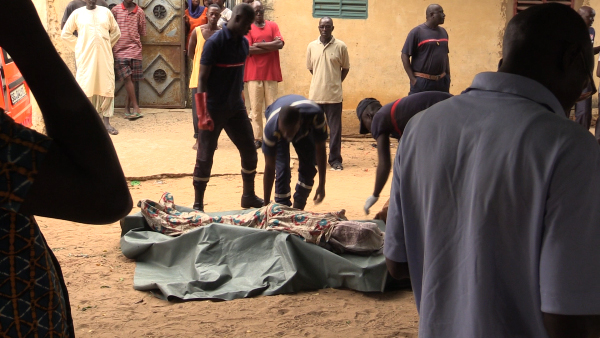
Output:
(164, 83)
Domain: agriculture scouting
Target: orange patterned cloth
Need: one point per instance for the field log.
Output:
(33, 296)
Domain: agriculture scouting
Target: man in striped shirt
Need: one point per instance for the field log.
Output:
(425, 54)
(128, 51)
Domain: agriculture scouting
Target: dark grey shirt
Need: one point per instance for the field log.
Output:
(428, 49)
(495, 207)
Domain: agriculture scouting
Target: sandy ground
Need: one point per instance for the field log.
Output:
(100, 278)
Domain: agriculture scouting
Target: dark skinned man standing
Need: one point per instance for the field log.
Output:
(263, 69)
(98, 32)
(219, 89)
(425, 54)
(128, 52)
(328, 61)
(301, 122)
(488, 212)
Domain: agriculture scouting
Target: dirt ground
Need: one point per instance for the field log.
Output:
(100, 278)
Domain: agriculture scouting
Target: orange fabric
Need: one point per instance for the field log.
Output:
(202, 19)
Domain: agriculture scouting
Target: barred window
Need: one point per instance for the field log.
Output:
(346, 9)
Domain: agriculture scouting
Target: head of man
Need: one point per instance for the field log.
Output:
(289, 122)
(550, 44)
(326, 28)
(435, 15)
(588, 14)
(90, 4)
(207, 3)
(213, 14)
(259, 12)
(365, 112)
(241, 20)
(220, 3)
(128, 3)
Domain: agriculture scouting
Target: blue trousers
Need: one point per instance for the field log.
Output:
(425, 85)
(305, 148)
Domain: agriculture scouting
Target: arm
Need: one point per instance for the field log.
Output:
(561, 326)
(203, 80)
(67, 32)
(384, 163)
(269, 177)
(397, 270)
(276, 44)
(309, 65)
(115, 31)
(322, 169)
(596, 50)
(82, 154)
(345, 73)
(408, 68)
(191, 50)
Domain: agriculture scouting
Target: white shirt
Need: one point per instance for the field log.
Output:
(495, 205)
(97, 32)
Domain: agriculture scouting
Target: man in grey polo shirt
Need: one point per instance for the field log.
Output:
(488, 211)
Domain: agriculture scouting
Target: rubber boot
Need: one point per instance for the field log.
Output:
(199, 189)
(249, 198)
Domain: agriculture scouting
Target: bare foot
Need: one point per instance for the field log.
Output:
(110, 129)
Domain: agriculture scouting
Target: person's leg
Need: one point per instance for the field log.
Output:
(195, 118)
(136, 76)
(204, 161)
(239, 130)
(333, 113)
(271, 91)
(283, 175)
(583, 111)
(256, 93)
(305, 148)
(107, 109)
(417, 87)
(130, 98)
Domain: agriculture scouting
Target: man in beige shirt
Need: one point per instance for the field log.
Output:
(327, 60)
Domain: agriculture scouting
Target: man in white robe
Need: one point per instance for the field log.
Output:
(98, 32)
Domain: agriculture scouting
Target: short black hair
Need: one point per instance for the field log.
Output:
(243, 10)
(289, 115)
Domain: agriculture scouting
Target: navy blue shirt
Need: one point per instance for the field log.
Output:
(313, 120)
(227, 56)
(428, 49)
(392, 118)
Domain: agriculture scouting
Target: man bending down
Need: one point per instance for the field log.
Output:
(293, 118)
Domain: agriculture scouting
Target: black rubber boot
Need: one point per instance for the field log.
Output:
(199, 189)
(249, 198)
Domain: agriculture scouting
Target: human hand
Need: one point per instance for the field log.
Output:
(319, 195)
(369, 203)
(413, 81)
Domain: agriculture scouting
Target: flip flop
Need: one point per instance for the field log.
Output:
(130, 116)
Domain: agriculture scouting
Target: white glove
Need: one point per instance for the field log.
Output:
(369, 203)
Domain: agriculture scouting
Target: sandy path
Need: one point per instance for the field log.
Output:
(100, 278)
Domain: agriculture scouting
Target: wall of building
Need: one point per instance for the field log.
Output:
(475, 30)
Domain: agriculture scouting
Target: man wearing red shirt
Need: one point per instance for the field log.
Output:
(128, 51)
(263, 71)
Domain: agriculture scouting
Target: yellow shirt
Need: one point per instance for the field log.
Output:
(326, 63)
(197, 56)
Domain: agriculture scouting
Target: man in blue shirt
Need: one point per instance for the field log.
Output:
(220, 85)
(297, 120)
(390, 121)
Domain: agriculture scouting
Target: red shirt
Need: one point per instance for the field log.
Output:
(132, 25)
(263, 67)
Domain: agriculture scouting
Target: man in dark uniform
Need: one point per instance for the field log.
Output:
(583, 108)
(390, 120)
(425, 54)
(220, 86)
(295, 119)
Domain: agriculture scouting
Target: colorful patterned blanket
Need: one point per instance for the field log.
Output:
(315, 228)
